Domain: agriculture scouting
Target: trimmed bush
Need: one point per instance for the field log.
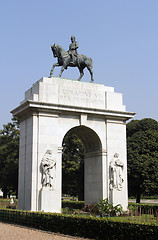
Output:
(88, 227)
(145, 208)
(73, 204)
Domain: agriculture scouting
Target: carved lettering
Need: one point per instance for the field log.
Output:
(81, 98)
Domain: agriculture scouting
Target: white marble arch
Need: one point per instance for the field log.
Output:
(52, 107)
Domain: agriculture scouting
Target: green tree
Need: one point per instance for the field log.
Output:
(142, 157)
(9, 156)
(73, 166)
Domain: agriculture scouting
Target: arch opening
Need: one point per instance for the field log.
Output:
(78, 143)
(89, 138)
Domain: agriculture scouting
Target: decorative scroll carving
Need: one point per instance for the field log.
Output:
(116, 170)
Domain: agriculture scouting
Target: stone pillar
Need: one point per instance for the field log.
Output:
(95, 185)
(117, 166)
(50, 193)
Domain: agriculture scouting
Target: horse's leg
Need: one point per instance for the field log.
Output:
(66, 62)
(54, 65)
(81, 74)
(62, 70)
(91, 73)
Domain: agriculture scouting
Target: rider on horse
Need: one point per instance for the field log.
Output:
(71, 59)
(73, 49)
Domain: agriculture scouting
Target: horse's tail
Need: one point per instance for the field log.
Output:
(91, 62)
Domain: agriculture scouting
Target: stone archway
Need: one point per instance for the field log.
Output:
(51, 108)
(92, 163)
(89, 137)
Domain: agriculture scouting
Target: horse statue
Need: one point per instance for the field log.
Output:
(65, 60)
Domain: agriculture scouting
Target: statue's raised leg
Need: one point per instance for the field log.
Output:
(62, 70)
(54, 65)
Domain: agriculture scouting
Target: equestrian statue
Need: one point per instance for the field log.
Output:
(71, 58)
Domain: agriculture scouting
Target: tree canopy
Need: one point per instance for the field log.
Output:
(73, 166)
(9, 156)
(142, 156)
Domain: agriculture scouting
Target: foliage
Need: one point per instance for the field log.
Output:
(91, 208)
(143, 207)
(87, 227)
(5, 203)
(142, 151)
(146, 219)
(11, 206)
(73, 204)
(108, 209)
(9, 155)
(73, 166)
(103, 208)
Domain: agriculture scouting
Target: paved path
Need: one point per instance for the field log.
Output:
(14, 232)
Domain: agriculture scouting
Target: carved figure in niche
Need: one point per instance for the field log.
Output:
(47, 164)
(116, 170)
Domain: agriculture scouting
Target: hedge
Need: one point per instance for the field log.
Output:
(73, 204)
(80, 205)
(145, 207)
(87, 227)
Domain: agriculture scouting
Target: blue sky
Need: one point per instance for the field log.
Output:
(121, 36)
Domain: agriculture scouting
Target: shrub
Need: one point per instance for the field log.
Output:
(105, 208)
(91, 208)
(143, 208)
(5, 203)
(73, 204)
(87, 227)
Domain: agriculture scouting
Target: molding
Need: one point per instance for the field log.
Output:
(34, 106)
(60, 149)
(115, 121)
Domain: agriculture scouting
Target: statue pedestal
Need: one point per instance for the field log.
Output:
(52, 108)
(49, 200)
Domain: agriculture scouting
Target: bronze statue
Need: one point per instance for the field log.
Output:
(71, 59)
(73, 48)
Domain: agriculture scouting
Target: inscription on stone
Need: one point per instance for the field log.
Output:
(85, 98)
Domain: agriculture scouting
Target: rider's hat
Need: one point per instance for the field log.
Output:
(72, 36)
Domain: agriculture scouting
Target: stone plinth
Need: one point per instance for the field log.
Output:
(49, 201)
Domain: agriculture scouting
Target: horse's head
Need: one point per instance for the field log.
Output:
(58, 51)
(55, 50)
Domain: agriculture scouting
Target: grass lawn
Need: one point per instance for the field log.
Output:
(143, 219)
(5, 203)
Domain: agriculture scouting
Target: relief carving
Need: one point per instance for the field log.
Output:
(116, 170)
(48, 165)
